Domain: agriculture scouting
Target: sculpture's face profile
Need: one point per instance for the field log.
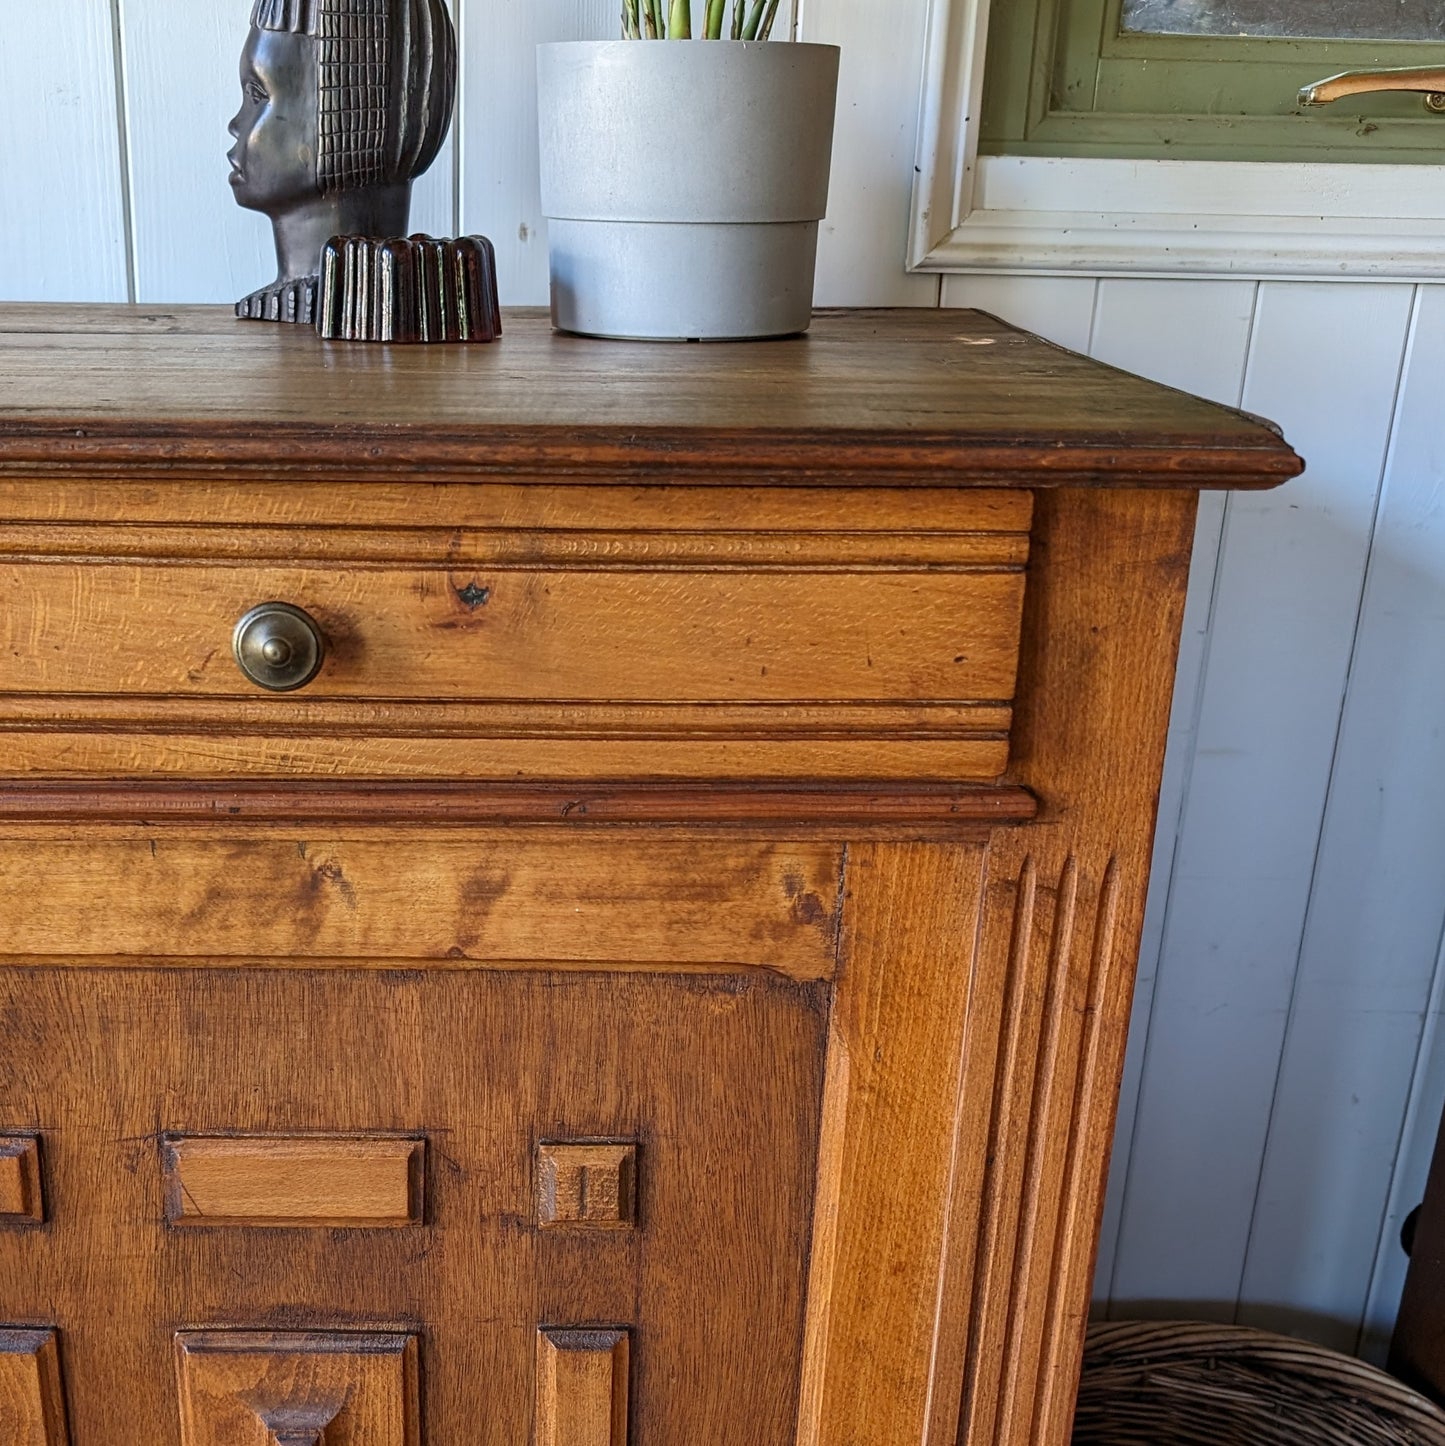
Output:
(277, 129)
(343, 104)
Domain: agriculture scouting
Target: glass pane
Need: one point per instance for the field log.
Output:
(1290, 19)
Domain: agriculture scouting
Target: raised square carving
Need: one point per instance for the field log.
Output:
(32, 1406)
(591, 1185)
(293, 1180)
(268, 1388)
(21, 1197)
(582, 1385)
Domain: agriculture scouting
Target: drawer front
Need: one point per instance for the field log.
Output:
(512, 652)
(568, 637)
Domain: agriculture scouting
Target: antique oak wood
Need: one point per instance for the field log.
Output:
(664, 981)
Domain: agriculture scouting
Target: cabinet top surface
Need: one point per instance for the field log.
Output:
(935, 397)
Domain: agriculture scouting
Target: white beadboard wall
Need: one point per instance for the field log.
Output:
(1287, 1068)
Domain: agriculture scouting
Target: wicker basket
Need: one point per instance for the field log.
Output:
(1188, 1384)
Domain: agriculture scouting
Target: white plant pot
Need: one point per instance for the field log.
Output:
(683, 183)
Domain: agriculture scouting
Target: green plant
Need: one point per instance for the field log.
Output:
(672, 19)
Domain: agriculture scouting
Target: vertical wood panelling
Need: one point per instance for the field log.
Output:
(192, 242)
(1412, 1168)
(500, 193)
(1137, 326)
(62, 204)
(864, 239)
(1326, 364)
(1376, 912)
(1060, 308)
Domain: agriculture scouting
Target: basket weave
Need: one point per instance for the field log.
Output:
(1187, 1384)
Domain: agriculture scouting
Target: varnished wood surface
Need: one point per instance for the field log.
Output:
(281, 1181)
(582, 1388)
(899, 810)
(101, 740)
(717, 1081)
(22, 1194)
(507, 520)
(587, 1186)
(450, 901)
(908, 396)
(546, 632)
(32, 1402)
(725, 876)
(563, 636)
(891, 1101)
(1060, 919)
(275, 1388)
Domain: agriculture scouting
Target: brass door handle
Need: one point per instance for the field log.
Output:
(1428, 82)
(279, 647)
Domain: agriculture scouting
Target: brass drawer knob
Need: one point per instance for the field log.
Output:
(279, 647)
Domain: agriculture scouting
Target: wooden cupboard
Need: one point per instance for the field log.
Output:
(663, 979)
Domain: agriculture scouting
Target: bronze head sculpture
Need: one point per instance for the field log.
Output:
(344, 103)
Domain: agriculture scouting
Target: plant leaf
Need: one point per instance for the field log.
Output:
(679, 20)
(716, 11)
(739, 7)
(767, 31)
(631, 23)
(651, 20)
(755, 18)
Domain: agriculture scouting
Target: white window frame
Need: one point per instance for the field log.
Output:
(1048, 215)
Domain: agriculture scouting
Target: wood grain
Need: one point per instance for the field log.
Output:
(858, 809)
(357, 1182)
(22, 1200)
(657, 797)
(906, 397)
(561, 636)
(1061, 915)
(32, 1403)
(264, 1388)
(490, 900)
(501, 517)
(633, 549)
(890, 1106)
(86, 748)
(582, 1379)
(718, 1080)
(589, 1185)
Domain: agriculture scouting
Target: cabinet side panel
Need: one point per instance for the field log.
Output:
(1061, 916)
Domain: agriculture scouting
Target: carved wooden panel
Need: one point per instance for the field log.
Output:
(588, 1185)
(32, 1405)
(271, 1388)
(21, 1196)
(717, 1079)
(582, 1387)
(297, 1181)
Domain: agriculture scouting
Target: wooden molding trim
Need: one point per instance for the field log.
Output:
(897, 808)
(969, 403)
(697, 456)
